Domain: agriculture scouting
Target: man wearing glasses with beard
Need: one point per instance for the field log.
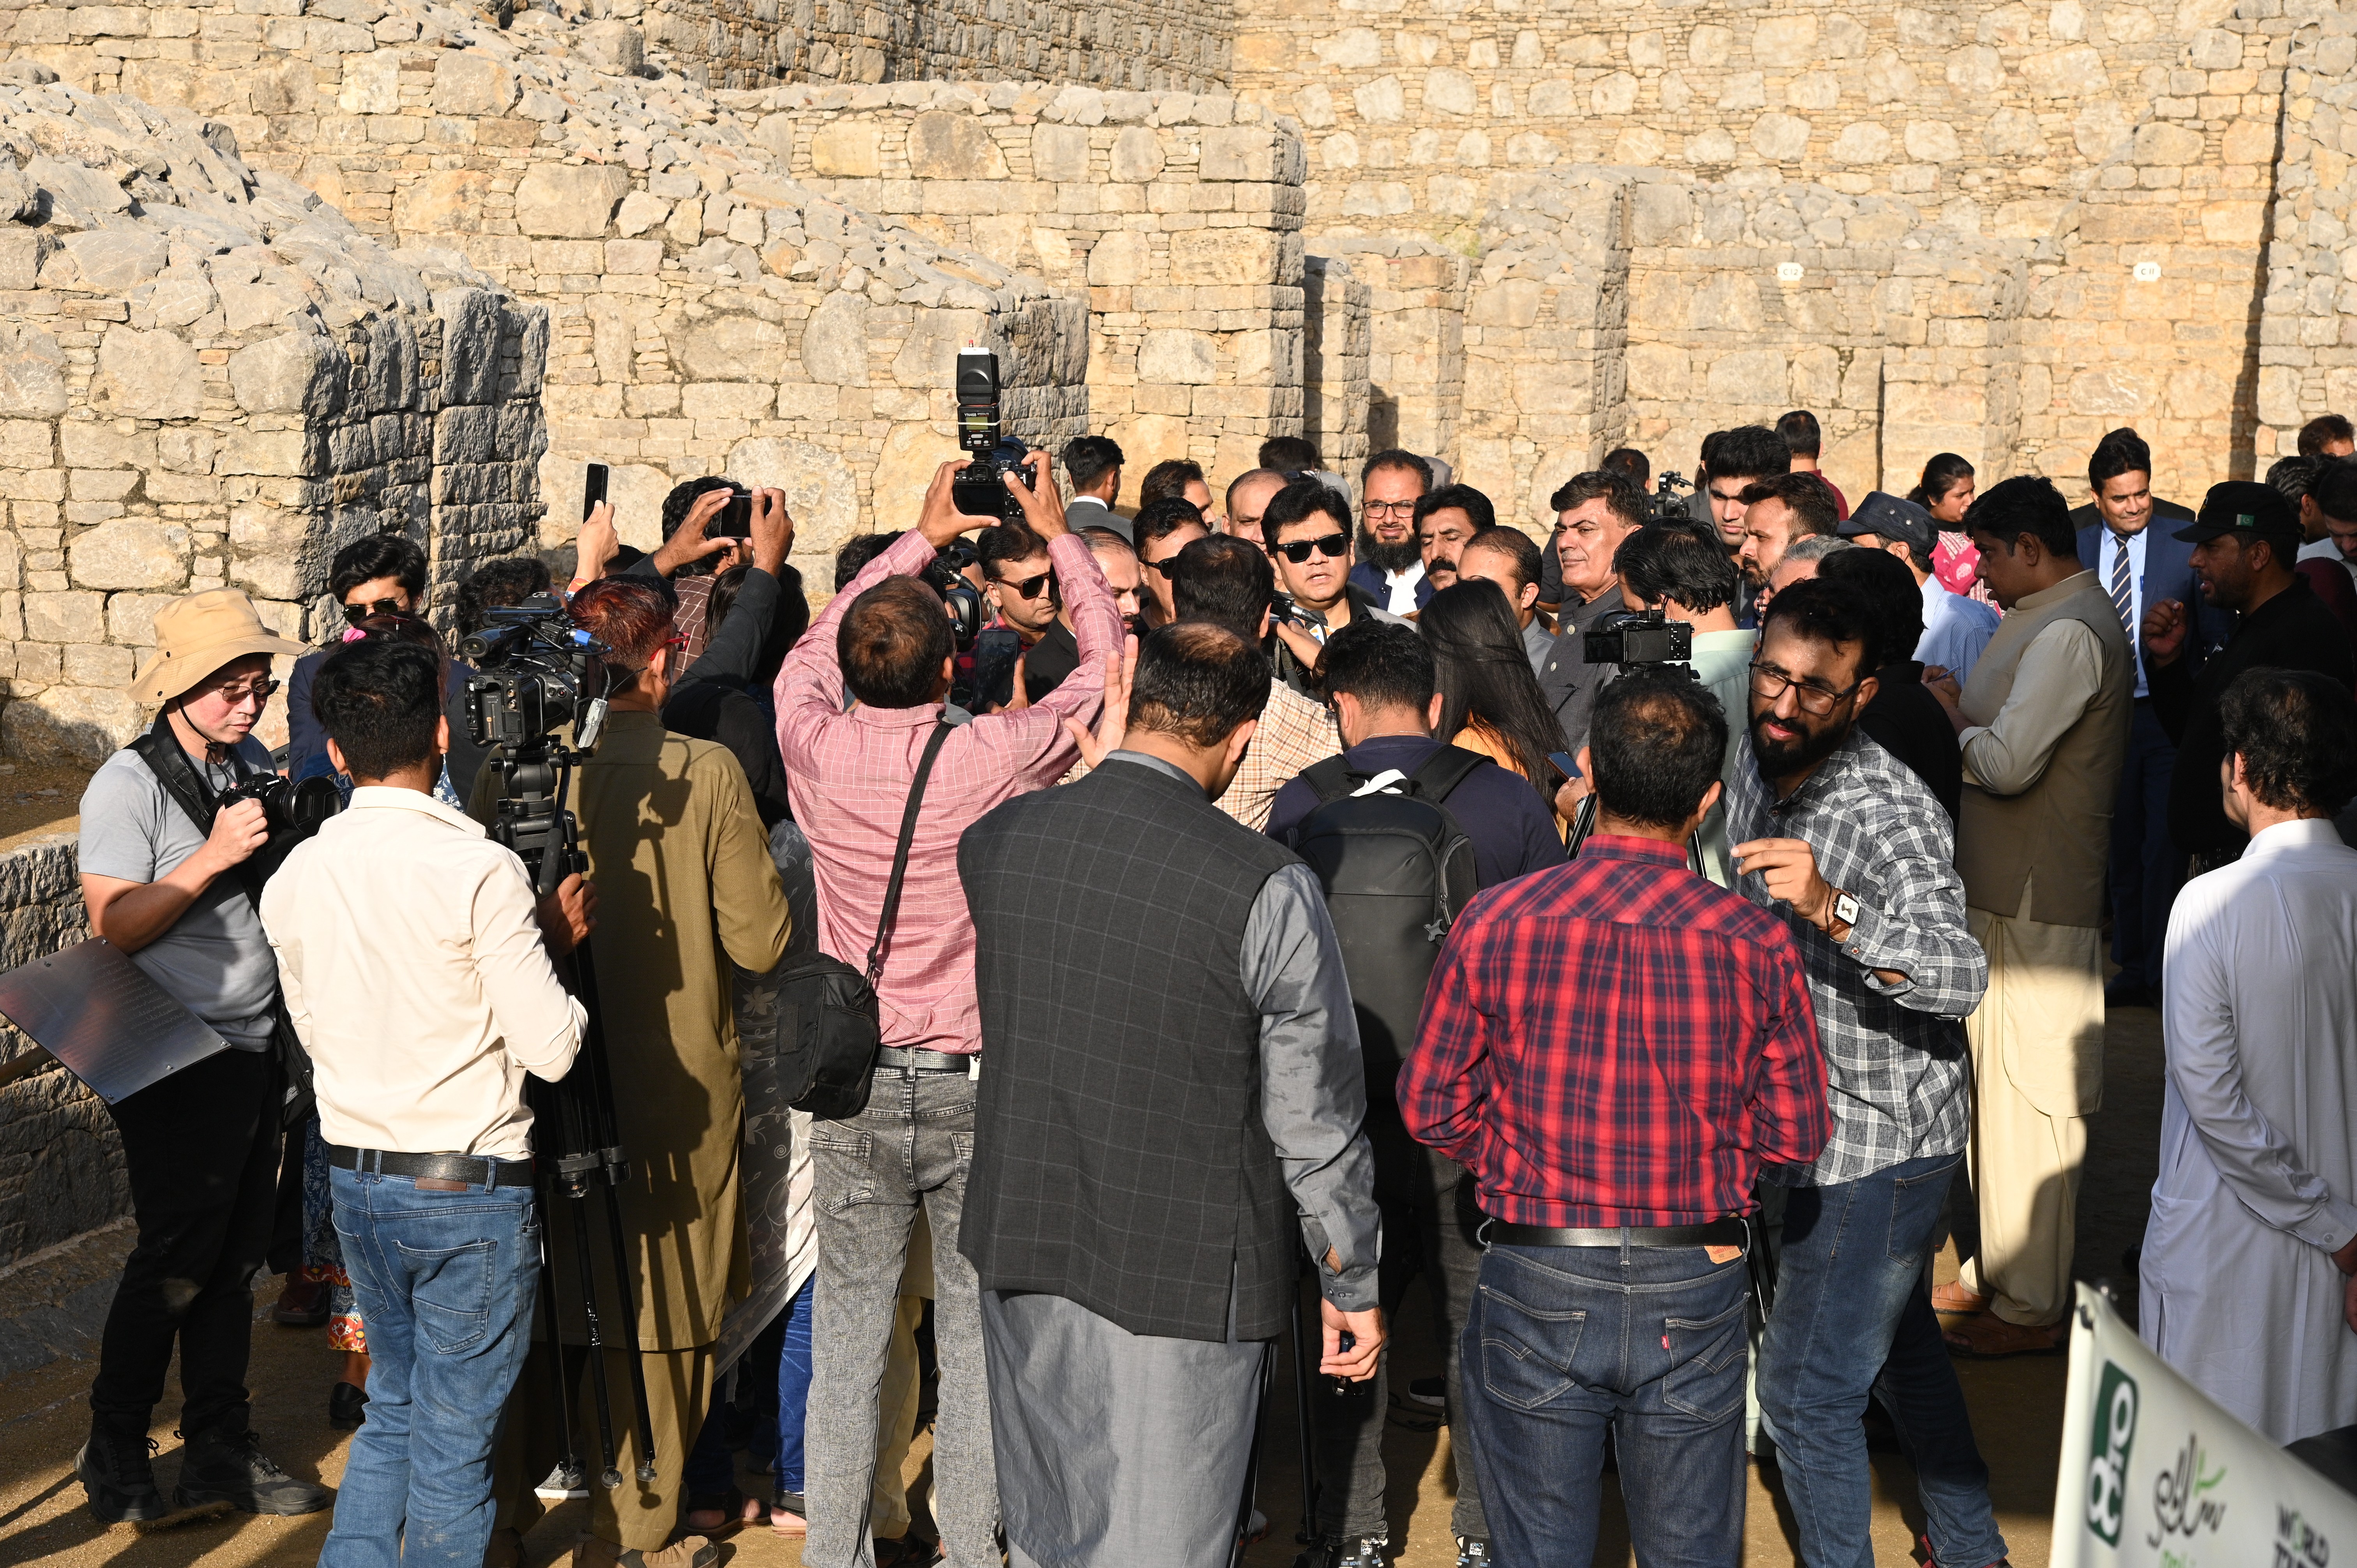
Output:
(1852, 850)
(1391, 558)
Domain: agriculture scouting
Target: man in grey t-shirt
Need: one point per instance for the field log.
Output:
(201, 1147)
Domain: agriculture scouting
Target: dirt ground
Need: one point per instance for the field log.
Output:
(2015, 1411)
(38, 797)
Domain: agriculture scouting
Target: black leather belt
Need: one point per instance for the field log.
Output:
(907, 1060)
(1730, 1231)
(464, 1168)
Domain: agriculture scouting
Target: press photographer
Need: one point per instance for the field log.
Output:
(166, 874)
(671, 835)
(852, 775)
(416, 972)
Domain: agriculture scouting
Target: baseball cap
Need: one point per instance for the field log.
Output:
(1887, 516)
(2244, 507)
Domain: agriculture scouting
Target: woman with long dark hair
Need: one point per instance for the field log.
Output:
(1489, 701)
(1946, 493)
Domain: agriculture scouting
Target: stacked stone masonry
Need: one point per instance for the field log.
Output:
(61, 1167)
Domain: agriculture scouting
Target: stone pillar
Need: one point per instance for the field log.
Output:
(1335, 338)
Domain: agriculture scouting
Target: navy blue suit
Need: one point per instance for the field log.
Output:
(1367, 576)
(2147, 867)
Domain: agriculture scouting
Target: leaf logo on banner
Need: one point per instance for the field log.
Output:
(2107, 1461)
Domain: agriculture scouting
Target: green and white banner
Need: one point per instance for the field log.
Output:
(2156, 1475)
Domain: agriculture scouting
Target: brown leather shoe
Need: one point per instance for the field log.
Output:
(1953, 1299)
(687, 1551)
(1988, 1337)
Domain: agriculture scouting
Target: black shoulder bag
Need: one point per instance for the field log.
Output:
(159, 748)
(829, 1025)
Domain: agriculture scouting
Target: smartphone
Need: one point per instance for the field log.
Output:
(1563, 764)
(995, 652)
(735, 519)
(593, 489)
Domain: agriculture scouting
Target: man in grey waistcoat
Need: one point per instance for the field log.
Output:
(1174, 1075)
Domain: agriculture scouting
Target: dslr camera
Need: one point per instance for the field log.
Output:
(535, 671)
(945, 575)
(292, 809)
(1629, 637)
(976, 492)
(1668, 502)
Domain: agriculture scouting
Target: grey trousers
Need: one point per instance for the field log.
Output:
(913, 1144)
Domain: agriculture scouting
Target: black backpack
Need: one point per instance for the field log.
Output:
(1397, 870)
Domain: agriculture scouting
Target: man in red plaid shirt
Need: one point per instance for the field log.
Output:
(1614, 1048)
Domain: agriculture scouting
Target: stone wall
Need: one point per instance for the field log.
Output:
(1337, 343)
(60, 1166)
(1176, 216)
(2308, 337)
(208, 378)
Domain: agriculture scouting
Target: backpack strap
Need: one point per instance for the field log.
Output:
(900, 851)
(1331, 778)
(1444, 770)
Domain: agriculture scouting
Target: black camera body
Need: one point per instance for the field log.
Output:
(291, 809)
(1638, 637)
(535, 671)
(945, 575)
(1668, 497)
(977, 490)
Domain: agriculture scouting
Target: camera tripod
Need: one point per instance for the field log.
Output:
(578, 1142)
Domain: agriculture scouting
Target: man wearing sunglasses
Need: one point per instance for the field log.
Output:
(1307, 527)
(1164, 527)
(201, 1147)
(1021, 587)
(1856, 853)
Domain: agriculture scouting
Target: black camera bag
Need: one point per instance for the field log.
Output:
(829, 1028)
(159, 748)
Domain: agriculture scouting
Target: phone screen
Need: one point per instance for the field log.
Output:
(1563, 764)
(735, 519)
(995, 652)
(593, 489)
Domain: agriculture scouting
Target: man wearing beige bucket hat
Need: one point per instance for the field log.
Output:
(163, 872)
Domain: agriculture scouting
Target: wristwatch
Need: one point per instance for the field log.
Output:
(1846, 907)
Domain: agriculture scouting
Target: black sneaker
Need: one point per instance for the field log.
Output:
(219, 1465)
(1345, 1552)
(1430, 1392)
(119, 1477)
(347, 1406)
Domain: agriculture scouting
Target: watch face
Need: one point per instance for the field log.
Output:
(1845, 909)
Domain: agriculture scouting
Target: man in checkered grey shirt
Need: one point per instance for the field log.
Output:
(1851, 847)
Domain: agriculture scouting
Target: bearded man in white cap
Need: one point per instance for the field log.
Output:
(165, 872)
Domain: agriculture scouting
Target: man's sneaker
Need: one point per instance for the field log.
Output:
(558, 1486)
(1345, 1552)
(1472, 1552)
(219, 1466)
(118, 1476)
(1431, 1392)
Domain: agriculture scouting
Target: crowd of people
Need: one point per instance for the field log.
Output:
(1265, 900)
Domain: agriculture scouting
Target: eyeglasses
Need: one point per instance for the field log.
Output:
(1389, 509)
(1028, 588)
(1299, 550)
(358, 613)
(1168, 567)
(252, 691)
(1768, 682)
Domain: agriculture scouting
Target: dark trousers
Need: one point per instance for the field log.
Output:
(1566, 1344)
(202, 1150)
(2147, 868)
(1430, 1227)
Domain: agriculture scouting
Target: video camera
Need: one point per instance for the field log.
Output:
(1638, 637)
(1668, 502)
(976, 492)
(945, 575)
(535, 671)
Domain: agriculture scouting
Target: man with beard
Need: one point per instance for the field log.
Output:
(1593, 513)
(1837, 835)
(1778, 512)
(1446, 521)
(1390, 559)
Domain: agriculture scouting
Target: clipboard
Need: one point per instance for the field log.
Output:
(94, 1010)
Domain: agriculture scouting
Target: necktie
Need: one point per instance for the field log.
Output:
(2123, 594)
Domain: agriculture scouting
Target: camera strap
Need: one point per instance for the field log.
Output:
(161, 751)
(900, 852)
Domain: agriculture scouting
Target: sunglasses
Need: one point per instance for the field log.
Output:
(357, 613)
(256, 691)
(1297, 551)
(1028, 588)
(1168, 567)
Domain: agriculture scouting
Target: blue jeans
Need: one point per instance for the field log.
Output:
(1853, 1317)
(446, 1282)
(1565, 1343)
(793, 1386)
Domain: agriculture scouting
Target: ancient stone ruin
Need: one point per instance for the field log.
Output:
(275, 273)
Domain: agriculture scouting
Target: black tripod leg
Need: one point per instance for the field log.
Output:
(1307, 1533)
(608, 1476)
(646, 1426)
(568, 1458)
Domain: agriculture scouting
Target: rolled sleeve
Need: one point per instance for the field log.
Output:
(1920, 931)
(1313, 1084)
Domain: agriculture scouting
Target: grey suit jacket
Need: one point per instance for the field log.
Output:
(1087, 511)
(1569, 684)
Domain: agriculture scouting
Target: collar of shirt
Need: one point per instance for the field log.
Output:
(2305, 832)
(1627, 846)
(924, 715)
(1169, 768)
(393, 798)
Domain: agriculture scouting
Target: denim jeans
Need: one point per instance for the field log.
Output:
(913, 1145)
(446, 1282)
(1563, 1344)
(1430, 1220)
(793, 1387)
(1853, 1317)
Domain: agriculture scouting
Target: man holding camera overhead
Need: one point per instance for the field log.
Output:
(166, 875)
(850, 775)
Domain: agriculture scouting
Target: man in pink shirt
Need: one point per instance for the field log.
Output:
(848, 774)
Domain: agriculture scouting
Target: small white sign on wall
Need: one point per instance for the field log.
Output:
(2148, 271)
(1788, 272)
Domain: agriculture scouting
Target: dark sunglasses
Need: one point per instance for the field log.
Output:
(1168, 567)
(1028, 588)
(1299, 550)
(361, 612)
